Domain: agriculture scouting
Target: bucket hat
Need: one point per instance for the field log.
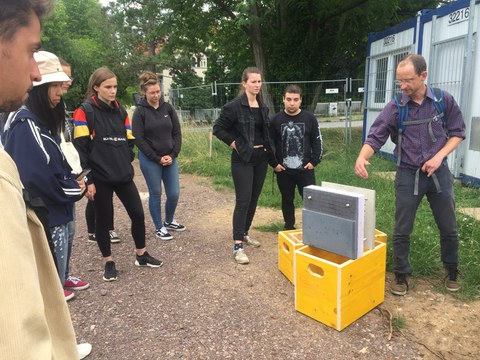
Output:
(49, 67)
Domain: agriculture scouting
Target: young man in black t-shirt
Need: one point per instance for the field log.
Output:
(298, 149)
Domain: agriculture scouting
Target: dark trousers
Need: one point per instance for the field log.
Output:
(90, 217)
(287, 181)
(128, 195)
(443, 209)
(248, 179)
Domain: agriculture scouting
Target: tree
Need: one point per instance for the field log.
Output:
(79, 31)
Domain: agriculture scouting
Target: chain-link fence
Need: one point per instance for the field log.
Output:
(325, 98)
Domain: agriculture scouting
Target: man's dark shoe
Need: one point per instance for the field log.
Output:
(400, 285)
(451, 278)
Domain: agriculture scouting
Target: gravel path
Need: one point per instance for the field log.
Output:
(200, 304)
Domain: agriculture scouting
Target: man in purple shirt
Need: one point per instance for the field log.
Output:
(422, 167)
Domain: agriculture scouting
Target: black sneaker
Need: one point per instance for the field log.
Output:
(400, 285)
(175, 226)
(110, 273)
(147, 260)
(91, 238)
(163, 234)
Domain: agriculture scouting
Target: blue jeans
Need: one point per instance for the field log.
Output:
(71, 234)
(154, 175)
(60, 247)
(443, 209)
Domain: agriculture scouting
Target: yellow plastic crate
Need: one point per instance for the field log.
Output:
(288, 242)
(336, 290)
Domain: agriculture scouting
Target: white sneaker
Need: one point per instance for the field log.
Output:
(163, 234)
(83, 350)
(240, 257)
(113, 237)
(249, 241)
(175, 226)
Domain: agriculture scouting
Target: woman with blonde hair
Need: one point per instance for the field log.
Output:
(158, 136)
(104, 140)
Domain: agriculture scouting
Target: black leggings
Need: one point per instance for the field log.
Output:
(90, 217)
(128, 195)
(248, 179)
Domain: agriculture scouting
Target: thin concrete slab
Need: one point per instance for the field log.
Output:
(473, 212)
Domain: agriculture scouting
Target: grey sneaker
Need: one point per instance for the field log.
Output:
(400, 285)
(252, 242)
(240, 257)
(114, 237)
(451, 278)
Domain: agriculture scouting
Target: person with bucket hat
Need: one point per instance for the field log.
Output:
(36, 319)
(32, 138)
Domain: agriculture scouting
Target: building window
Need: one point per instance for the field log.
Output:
(381, 80)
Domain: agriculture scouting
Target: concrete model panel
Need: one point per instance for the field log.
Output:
(333, 220)
(370, 214)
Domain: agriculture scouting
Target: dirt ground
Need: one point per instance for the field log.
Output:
(202, 305)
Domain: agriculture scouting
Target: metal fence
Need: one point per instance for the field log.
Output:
(325, 98)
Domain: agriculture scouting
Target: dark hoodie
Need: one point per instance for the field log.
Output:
(104, 142)
(157, 131)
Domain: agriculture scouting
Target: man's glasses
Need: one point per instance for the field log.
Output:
(404, 81)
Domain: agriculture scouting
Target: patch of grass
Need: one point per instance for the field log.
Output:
(398, 323)
(273, 227)
(337, 166)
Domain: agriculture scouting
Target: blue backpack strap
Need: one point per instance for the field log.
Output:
(402, 112)
(439, 102)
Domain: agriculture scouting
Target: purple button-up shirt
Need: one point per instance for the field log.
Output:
(417, 146)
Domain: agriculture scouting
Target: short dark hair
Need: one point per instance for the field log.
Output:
(418, 62)
(293, 89)
(16, 14)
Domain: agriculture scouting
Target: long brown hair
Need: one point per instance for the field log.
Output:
(98, 76)
(246, 74)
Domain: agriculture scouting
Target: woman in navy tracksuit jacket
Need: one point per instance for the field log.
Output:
(31, 137)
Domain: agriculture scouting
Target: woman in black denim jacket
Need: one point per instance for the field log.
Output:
(243, 125)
